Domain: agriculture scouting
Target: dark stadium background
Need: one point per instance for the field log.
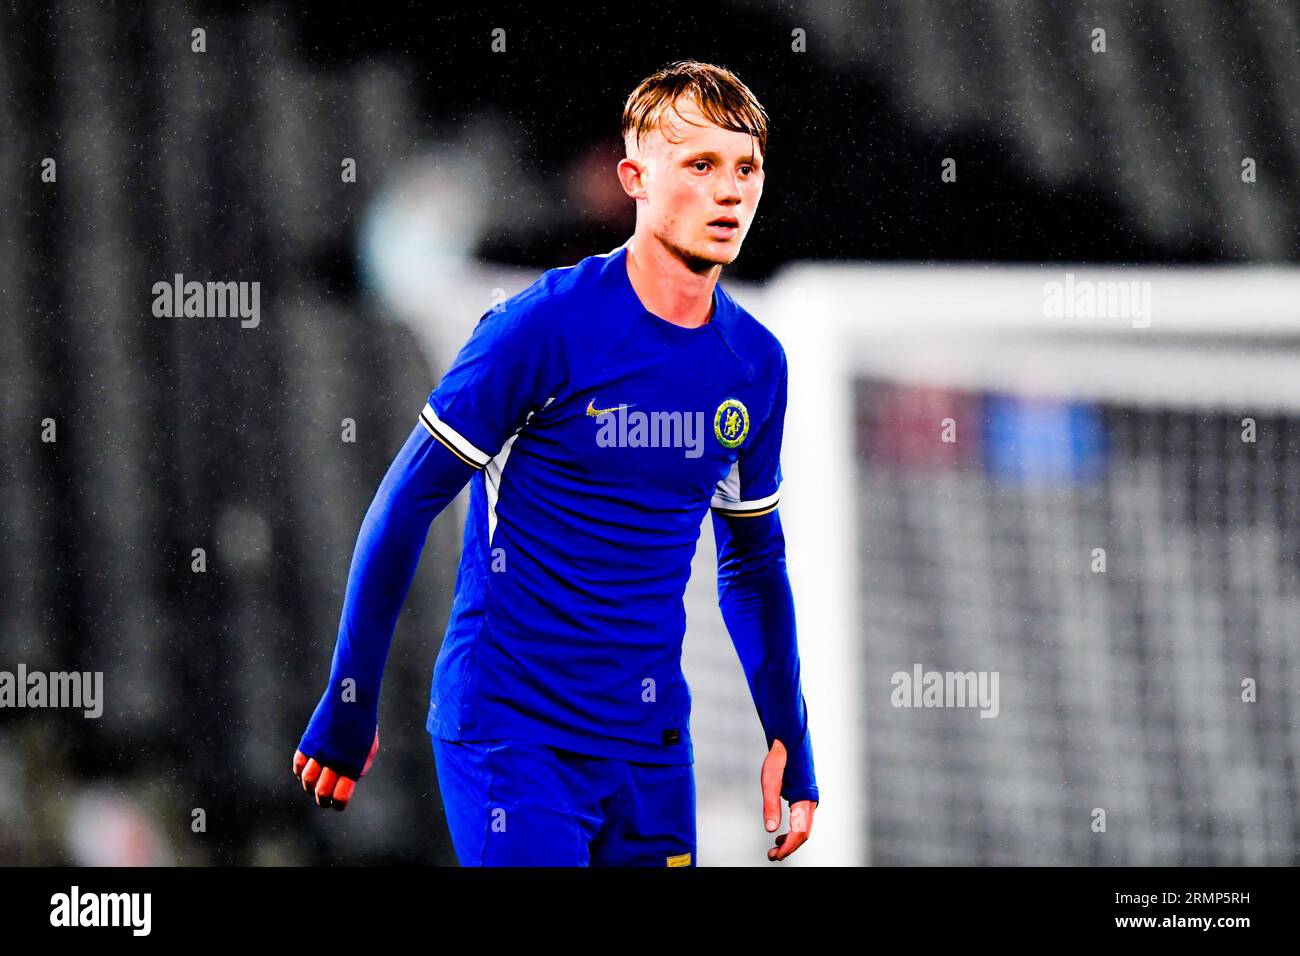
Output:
(181, 434)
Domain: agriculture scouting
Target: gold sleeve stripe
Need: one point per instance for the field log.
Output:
(477, 457)
(745, 514)
(448, 445)
(726, 499)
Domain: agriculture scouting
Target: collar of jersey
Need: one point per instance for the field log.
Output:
(616, 264)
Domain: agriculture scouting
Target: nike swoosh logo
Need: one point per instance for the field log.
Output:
(594, 412)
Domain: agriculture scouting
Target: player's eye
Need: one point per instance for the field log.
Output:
(700, 162)
(747, 168)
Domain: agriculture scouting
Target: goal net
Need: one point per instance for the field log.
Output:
(1085, 502)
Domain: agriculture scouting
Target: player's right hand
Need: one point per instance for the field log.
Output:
(331, 789)
(801, 811)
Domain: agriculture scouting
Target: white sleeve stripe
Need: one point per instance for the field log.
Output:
(730, 504)
(453, 437)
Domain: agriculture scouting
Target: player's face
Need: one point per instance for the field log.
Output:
(697, 175)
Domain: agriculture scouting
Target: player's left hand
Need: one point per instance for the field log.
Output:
(801, 811)
(330, 787)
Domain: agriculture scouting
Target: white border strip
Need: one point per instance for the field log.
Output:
(730, 504)
(454, 437)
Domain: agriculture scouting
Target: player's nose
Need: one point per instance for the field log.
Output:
(728, 189)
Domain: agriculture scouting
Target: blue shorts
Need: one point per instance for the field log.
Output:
(517, 803)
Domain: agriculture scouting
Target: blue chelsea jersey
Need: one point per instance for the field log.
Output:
(601, 435)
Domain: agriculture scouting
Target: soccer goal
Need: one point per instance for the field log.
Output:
(1079, 489)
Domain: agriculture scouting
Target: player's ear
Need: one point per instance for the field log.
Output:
(631, 174)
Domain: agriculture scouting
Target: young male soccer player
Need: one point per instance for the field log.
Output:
(599, 413)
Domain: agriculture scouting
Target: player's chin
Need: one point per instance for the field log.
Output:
(720, 252)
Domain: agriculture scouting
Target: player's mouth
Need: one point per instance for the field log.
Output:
(725, 227)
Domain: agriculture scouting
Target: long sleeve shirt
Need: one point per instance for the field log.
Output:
(595, 436)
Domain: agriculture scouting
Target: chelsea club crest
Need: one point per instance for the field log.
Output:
(731, 423)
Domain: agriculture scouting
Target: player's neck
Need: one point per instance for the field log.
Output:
(666, 287)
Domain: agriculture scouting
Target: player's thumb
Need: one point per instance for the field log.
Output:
(374, 749)
(772, 775)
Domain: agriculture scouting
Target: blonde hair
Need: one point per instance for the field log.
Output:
(716, 91)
